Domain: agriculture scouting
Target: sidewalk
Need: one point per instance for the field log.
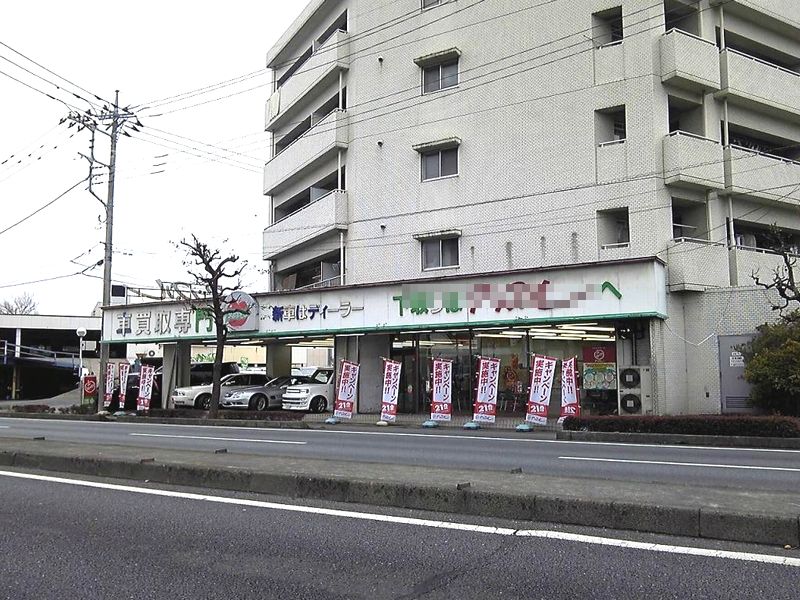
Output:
(725, 514)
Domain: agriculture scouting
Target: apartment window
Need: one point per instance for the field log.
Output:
(439, 163)
(440, 77)
(439, 253)
(607, 26)
(610, 125)
(613, 227)
(430, 3)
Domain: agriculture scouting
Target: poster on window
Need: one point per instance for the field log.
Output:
(486, 393)
(124, 369)
(442, 390)
(146, 376)
(346, 392)
(108, 393)
(543, 369)
(570, 407)
(391, 389)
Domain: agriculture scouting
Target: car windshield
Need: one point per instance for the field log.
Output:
(281, 381)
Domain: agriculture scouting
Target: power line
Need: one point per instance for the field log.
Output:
(41, 208)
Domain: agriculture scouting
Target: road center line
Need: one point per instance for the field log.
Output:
(533, 533)
(678, 464)
(219, 439)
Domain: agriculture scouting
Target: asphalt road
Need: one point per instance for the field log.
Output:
(60, 540)
(765, 470)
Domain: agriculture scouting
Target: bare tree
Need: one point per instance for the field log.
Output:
(783, 278)
(20, 305)
(217, 276)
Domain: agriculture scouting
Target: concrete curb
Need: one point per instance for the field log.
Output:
(672, 520)
(162, 420)
(678, 440)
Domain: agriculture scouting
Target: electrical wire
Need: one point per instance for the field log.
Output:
(44, 206)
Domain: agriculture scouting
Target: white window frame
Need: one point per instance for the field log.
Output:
(438, 151)
(456, 62)
(435, 4)
(439, 241)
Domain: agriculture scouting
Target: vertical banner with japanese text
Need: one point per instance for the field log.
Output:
(146, 376)
(124, 369)
(570, 407)
(442, 399)
(391, 389)
(109, 385)
(543, 369)
(485, 408)
(346, 392)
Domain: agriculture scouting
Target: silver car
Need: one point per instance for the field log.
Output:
(199, 396)
(259, 397)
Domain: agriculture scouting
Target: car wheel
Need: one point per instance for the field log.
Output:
(259, 403)
(319, 404)
(203, 402)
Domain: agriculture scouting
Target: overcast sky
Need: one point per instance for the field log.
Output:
(149, 51)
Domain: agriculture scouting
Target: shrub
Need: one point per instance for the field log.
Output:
(772, 426)
(773, 366)
(30, 408)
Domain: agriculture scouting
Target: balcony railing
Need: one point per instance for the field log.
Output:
(693, 161)
(304, 226)
(609, 62)
(611, 161)
(762, 175)
(306, 152)
(760, 85)
(321, 69)
(696, 265)
(747, 261)
(689, 61)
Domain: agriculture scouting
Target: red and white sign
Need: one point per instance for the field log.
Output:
(442, 399)
(603, 353)
(89, 385)
(485, 409)
(346, 393)
(146, 376)
(570, 407)
(391, 389)
(124, 369)
(109, 391)
(543, 369)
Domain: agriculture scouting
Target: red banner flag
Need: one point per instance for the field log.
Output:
(391, 389)
(570, 405)
(346, 392)
(146, 376)
(542, 370)
(109, 383)
(442, 399)
(485, 408)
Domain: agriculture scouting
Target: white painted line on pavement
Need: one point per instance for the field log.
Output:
(678, 464)
(425, 435)
(219, 439)
(533, 533)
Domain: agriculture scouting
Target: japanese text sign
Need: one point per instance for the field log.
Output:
(570, 407)
(146, 376)
(109, 385)
(485, 408)
(346, 393)
(442, 400)
(124, 369)
(543, 369)
(391, 389)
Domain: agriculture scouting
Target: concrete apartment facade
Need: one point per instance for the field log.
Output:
(461, 178)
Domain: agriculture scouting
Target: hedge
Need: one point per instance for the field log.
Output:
(785, 427)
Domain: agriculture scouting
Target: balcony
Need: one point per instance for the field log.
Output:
(315, 146)
(693, 161)
(320, 70)
(609, 63)
(611, 161)
(762, 175)
(689, 62)
(747, 261)
(760, 85)
(696, 265)
(304, 226)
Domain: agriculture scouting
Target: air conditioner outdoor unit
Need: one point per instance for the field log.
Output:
(635, 390)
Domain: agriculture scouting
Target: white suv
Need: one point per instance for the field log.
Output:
(313, 392)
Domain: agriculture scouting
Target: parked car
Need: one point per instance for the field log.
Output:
(260, 397)
(314, 392)
(199, 396)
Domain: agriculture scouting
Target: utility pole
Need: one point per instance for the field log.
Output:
(90, 120)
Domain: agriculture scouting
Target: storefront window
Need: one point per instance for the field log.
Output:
(511, 348)
(455, 346)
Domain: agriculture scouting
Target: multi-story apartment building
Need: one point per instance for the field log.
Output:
(590, 178)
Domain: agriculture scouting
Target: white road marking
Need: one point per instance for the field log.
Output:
(4, 426)
(678, 464)
(219, 439)
(504, 531)
(427, 435)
